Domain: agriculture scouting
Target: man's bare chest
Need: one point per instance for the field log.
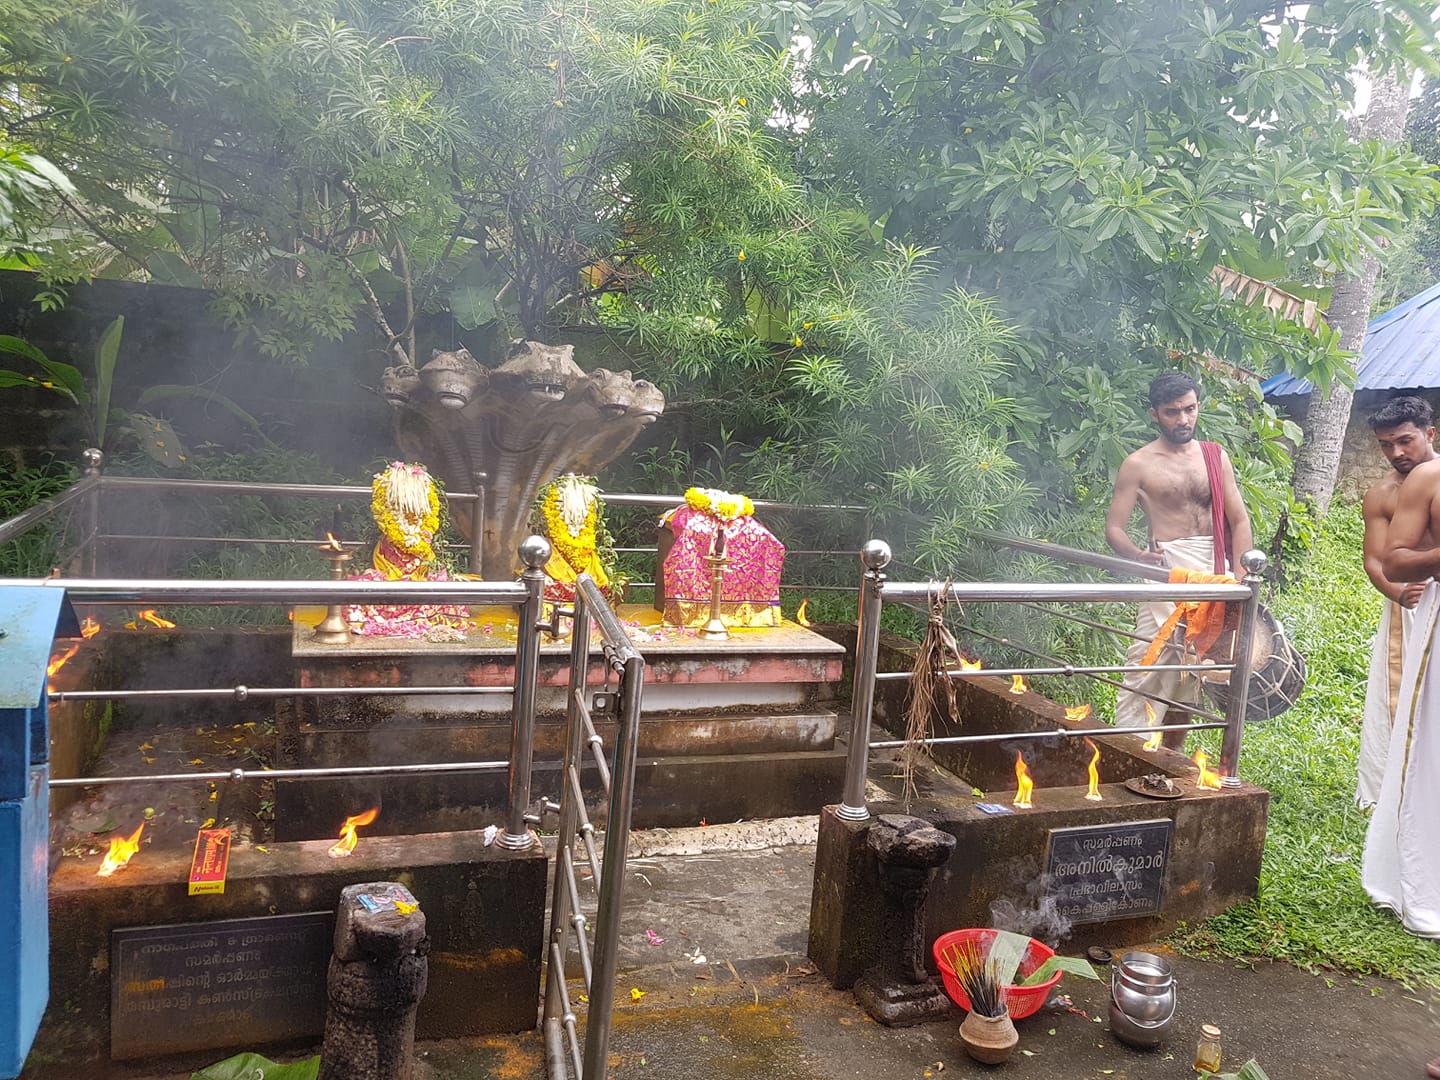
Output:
(1176, 487)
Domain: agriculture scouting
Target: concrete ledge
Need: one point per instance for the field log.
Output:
(485, 909)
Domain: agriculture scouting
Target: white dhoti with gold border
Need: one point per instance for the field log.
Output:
(1382, 693)
(1401, 869)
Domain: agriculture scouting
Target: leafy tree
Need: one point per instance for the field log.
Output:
(1317, 465)
(1412, 264)
(403, 155)
(1090, 163)
(27, 184)
(519, 164)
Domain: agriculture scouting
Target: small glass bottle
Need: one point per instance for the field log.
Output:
(1207, 1049)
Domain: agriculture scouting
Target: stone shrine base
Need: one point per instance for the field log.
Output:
(484, 906)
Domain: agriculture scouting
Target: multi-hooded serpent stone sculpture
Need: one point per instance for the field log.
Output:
(514, 428)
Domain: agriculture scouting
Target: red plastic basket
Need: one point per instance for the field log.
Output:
(1022, 1000)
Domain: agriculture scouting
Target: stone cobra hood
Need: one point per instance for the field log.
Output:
(533, 418)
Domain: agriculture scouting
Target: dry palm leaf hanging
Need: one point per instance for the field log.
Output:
(928, 678)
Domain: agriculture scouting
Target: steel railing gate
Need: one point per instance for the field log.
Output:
(876, 590)
(564, 1055)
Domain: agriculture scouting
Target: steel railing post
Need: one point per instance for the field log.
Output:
(477, 525)
(574, 729)
(534, 554)
(612, 877)
(1254, 563)
(875, 555)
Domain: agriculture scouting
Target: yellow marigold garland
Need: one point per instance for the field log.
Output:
(409, 530)
(722, 504)
(576, 548)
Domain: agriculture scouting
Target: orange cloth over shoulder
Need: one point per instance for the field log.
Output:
(1204, 619)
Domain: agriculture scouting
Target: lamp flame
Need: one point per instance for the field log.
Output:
(969, 665)
(346, 844)
(800, 614)
(1093, 794)
(56, 663)
(1208, 777)
(1018, 684)
(155, 620)
(122, 850)
(1152, 743)
(1023, 784)
(331, 544)
(1077, 712)
(89, 628)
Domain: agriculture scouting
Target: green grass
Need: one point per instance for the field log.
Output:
(1311, 909)
(34, 553)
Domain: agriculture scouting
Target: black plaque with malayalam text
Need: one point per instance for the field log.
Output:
(1099, 873)
(210, 985)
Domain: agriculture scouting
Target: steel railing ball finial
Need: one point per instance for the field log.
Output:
(92, 458)
(875, 554)
(534, 552)
(1254, 561)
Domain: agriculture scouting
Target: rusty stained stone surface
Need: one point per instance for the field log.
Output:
(896, 990)
(485, 908)
(535, 416)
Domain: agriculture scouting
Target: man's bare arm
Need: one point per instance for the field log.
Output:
(1236, 516)
(1122, 505)
(1407, 556)
(1377, 528)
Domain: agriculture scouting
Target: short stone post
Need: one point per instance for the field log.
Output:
(897, 991)
(378, 973)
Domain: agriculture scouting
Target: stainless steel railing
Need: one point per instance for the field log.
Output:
(566, 1057)
(875, 591)
(525, 595)
(94, 486)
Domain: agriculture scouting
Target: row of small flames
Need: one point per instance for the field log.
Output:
(125, 848)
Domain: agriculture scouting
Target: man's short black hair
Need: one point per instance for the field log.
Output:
(1403, 410)
(1170, 386)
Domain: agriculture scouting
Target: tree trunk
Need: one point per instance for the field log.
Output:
(1317, 463)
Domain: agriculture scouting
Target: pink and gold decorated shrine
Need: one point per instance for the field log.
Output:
(715, 522)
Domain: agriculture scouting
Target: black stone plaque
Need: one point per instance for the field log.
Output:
(204, 986)
(1099, 873)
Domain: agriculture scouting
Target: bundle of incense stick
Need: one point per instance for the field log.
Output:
(928, 679)
(978, 978)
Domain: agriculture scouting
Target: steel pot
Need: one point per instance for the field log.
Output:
(1142, 998)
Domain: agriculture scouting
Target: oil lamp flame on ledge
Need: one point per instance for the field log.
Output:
(1093, 793)
(1153, 743)
(1208, 777)
(348, 837)
(122, 850)
(1023, 784)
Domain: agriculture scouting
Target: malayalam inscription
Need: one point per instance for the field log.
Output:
(205, 986)
(1099, 873)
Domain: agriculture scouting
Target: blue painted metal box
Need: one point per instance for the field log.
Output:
(28, 619)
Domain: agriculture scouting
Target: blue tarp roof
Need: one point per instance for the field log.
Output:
(1402, 351)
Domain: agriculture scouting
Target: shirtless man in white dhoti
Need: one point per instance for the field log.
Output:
(1403, 427)
(1170, 480)
(1401, 869)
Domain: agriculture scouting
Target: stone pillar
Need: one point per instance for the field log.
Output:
(896, 990)
(377, 977)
